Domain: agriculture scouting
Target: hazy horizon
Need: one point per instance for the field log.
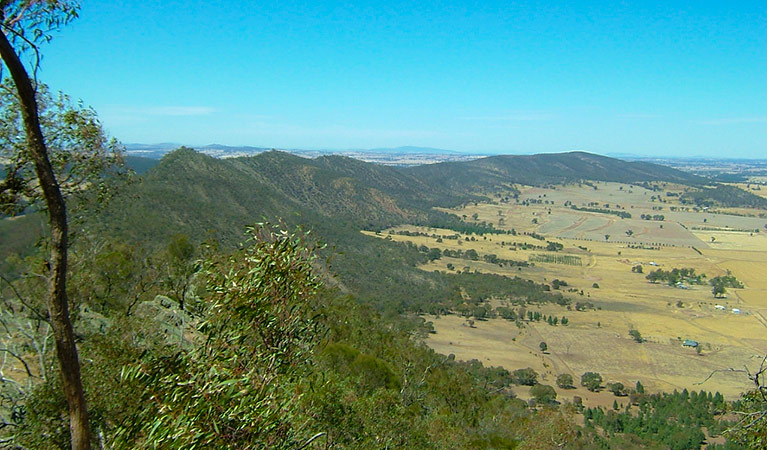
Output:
(169, 146)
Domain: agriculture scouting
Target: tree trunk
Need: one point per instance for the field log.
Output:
(58, 307)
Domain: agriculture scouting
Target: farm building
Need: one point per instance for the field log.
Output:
(690, 343)
(735, 311)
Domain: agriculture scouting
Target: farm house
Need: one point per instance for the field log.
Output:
(690, 343)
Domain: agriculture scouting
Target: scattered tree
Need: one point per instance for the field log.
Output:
(525, 377)
(565, 381)
(592, 381)
(617, 389)
(543, 394)
(719, 291)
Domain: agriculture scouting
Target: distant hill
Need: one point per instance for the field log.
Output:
(205, 197)
(210, 198)
(190, 189)
(218, 194)
(406, 156)
(723, 195)
(409, 149)
(140, 164)
(495, 171)
(157, 151)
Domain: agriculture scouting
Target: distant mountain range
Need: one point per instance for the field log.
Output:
(399, 156)
(219, 150)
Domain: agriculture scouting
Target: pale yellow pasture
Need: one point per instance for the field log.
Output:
(597, 339)
(734, 240)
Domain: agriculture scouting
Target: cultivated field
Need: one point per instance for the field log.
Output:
(608, 247)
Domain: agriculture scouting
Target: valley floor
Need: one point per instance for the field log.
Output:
(731, 331)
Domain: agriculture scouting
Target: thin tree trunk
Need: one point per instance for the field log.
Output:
(58, 307)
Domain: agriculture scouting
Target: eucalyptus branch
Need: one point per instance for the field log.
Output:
(23, 301)
(19, 359)
(714, 372)
(35, 50)
(20, 15)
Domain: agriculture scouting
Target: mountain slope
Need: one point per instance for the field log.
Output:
(204, 197)
(496, 171)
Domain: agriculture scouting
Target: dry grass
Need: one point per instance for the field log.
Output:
(598, 340)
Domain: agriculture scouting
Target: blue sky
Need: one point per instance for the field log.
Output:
(656, 79)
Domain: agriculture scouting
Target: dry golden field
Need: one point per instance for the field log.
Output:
(598, 339)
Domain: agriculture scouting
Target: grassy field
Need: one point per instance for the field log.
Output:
(598, 339)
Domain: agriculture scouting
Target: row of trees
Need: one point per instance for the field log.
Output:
(720, 284)
(674, 276)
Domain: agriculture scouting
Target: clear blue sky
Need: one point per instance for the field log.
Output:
(652, 78)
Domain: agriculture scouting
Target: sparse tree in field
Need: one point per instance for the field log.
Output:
(629, 233)
(617, 389)
(525, 377)
(543, 346)
(718, 290)
(591, 381)
(639, 387)
(607, 237)
(565, 381)
(543, 394)
(636, 335)
(25, 24)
